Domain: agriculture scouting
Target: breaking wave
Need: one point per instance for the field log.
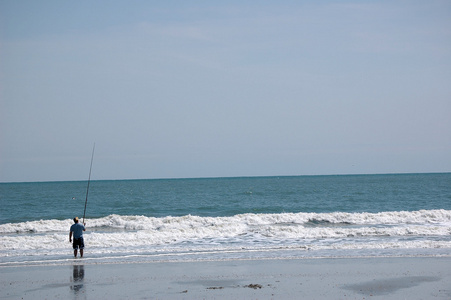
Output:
(239, 223)
(244, 235)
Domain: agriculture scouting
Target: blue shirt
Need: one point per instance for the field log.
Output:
(77, 229)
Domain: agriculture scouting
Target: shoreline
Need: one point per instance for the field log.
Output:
(411, 277)
(102, 261)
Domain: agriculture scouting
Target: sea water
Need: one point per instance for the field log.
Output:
(228, 218)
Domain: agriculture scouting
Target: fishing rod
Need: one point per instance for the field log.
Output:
(89, 180)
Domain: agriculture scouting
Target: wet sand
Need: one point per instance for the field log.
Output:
(337, 278)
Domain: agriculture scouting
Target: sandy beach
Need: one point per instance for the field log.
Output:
(338, 278)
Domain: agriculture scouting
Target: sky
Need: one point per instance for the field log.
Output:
(181, 89)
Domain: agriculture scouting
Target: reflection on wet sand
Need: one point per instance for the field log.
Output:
(78, 276)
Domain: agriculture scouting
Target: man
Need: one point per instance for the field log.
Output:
(77, 230)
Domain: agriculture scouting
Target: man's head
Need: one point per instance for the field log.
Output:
(76, 219)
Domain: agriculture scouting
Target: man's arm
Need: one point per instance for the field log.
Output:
(70, 236)
(84, 226)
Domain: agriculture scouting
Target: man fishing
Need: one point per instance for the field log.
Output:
(77, 230)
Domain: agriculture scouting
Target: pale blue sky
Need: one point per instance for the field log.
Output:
(223, 88)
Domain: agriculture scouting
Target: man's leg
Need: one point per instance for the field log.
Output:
(75, 252)
(82, 246)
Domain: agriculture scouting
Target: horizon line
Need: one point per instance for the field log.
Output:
(231, 177)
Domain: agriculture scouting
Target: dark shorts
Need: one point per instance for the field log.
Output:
(78, 243)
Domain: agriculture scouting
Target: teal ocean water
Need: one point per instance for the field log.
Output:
(222, 218)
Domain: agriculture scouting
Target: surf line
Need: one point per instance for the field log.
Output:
(89, 180)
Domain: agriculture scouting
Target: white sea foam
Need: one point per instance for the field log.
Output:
(429, 229)
(239, 222)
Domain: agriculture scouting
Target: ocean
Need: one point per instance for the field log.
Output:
(228, 218)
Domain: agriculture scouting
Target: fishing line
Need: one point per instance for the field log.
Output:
(89, 180)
